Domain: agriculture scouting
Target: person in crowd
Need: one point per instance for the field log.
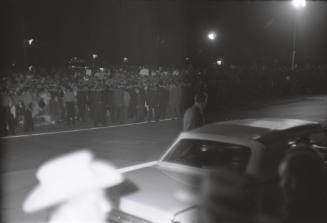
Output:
(27, 99)
(10, 112)
(91, 97)
(6, 115)
(186, 96)
(140, 105)
(110, 102)
(82, 102)
(45, 98)
(132, 104)
(54, 108)
(72, 188)
(3, 125)
(118, 95)
(174, 100)
(70, 99)
(163, 100)
(20, 112)
(303, 182)
(99, 103)
(14, 109)
(194, 115)
(126, 103)
(152, 103)
(60, 94)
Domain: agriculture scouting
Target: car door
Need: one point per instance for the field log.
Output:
(271, 193)
(312, 136)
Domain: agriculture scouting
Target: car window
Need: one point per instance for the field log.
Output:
(206, 154)
(318, 138)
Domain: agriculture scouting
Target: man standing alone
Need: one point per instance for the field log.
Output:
(194, 116)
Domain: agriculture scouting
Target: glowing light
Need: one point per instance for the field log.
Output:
(94, 56)
(101, 69)
(125, 59)
(30, 41)
(299, 4)
(219, 62)
(212, 35)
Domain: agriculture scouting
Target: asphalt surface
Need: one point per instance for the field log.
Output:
(122, 145)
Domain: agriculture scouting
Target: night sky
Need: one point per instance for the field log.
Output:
(163, 31)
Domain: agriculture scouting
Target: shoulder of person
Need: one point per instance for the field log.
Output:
(189, 111)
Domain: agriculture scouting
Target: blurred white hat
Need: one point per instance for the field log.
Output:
(68, 176)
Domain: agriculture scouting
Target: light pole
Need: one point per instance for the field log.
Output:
(298, 5)
(94, 57)
(27, 43)
(212, 37)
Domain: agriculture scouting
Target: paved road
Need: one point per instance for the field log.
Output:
(125, 145)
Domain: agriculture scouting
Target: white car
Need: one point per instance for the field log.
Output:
(253, 146)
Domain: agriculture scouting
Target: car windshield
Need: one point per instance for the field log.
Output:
(206, 154)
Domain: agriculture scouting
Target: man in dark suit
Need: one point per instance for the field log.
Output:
(82, 102)
(163, 101)
(152, 102)
(140, 105)
(99, 105)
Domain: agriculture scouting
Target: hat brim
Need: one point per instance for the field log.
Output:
(43, 197)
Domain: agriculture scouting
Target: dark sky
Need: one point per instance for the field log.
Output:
(163, 31)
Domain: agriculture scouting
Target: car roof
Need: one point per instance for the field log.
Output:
(252, 129)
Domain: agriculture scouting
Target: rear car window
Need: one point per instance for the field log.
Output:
(207, 154)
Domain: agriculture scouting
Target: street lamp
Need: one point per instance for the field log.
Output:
(297, 4)
(212, 36)
(26, 43)
(30, 41)
(94, 56)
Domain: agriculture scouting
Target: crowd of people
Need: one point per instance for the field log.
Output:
(114, 95)
(133, 94)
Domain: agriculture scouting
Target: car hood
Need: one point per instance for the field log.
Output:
(161, 192)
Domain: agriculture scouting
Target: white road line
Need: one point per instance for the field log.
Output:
(79, 130)
(137, 166)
